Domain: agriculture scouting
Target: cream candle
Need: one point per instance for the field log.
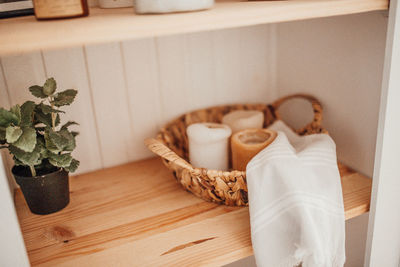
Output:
(244, 119)
(247, 143)
(209, 145)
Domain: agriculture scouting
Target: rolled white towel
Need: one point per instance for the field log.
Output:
(296, 202)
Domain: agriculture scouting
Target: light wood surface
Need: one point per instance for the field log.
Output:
(137, 215)
(25, 34)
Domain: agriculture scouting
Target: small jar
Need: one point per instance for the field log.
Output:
(59, 9)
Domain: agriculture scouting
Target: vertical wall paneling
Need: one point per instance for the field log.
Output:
(199, 64)
(227, 53)
(244, 60)
(6, 103)
(110, 100)
(175, 98)
(22, 71)
(272, 73)
(67, 66)
(4, 96)
(256, 64)
(141, 74)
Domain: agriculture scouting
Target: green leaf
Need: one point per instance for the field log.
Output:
(69, 123)
(13, 133)
(27, 113)
(2, 133)
(48, 109)
(25, 158)
(44, 153)
(41, 117)
(58, 120)
(17, 112)
(60, 160)
(18, 162)
(27, 141)
(58, 139)
(73, 166)
(71, 140)
(75, 134)
(37, 91)
(7, 118)
(49, 144)
(49, 86)
(64, 98)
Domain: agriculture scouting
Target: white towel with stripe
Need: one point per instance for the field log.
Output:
(296, 203)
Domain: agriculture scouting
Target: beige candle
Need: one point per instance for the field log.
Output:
(209, 145)
(244, 119)
(247, 143)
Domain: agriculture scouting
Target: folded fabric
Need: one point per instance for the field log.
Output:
(296, 203)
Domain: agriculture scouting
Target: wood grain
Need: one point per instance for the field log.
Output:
(137, 215)
(25, 34)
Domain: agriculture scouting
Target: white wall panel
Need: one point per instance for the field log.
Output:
(256, 59)
(4, 96)
(6, 103)
(141, 73)
(228, 66)
(22, 71)
(200, 72)
(110, 103)
(175, 97)
(244, 63)
(68, 68)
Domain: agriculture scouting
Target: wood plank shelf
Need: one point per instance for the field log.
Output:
(137, 214)
(25, 34)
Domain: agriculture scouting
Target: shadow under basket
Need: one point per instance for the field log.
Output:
(223, 187)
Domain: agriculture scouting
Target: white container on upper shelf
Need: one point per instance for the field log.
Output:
(168, 6)
(115, 3)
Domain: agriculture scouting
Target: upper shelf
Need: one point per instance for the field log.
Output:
(137, 214)
(25, 34)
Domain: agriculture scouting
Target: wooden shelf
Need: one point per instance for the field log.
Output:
(137, 213)
(25, 34)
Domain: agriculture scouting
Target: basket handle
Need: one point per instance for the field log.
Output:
(316, 105)
(163, 151)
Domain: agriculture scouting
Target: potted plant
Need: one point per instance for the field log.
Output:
(41, 147)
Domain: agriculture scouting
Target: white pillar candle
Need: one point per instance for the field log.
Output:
(167, 6)
(240, 120)
(209, 145)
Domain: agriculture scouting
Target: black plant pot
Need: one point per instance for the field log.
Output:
(45, 193)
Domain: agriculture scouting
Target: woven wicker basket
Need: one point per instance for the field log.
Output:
(223, 187)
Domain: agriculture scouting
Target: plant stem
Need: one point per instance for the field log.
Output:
(53, 118)
(33, 171)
